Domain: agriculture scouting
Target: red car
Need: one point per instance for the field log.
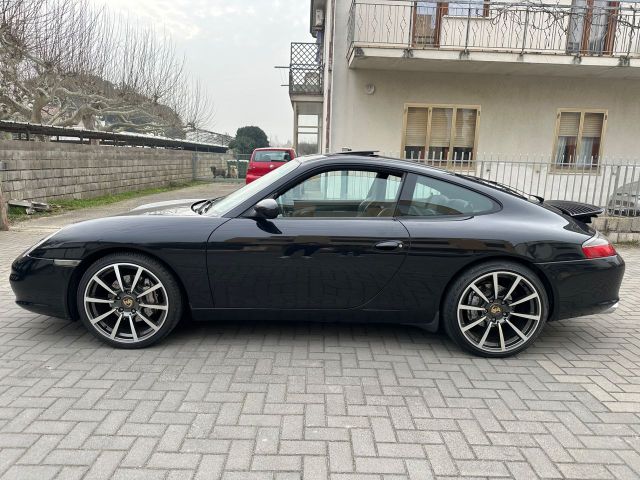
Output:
(264, 160)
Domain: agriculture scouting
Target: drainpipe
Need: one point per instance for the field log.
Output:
(328, 98)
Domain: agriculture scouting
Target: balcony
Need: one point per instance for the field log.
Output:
(589, 37)
(305, 70)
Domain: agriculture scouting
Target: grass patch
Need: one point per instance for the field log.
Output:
(67, 205)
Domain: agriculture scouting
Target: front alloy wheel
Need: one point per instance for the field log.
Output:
(129, 300)
(498, 311)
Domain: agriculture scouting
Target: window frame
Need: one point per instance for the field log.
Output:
(332, 168)
(441, 9)
(409, 186)
(455, 107)
(486, 10)
(573, 165)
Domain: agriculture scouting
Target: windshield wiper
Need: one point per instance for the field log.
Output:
(503, 187)
(203, 206)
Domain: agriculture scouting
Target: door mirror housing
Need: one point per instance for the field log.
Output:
(267, 208)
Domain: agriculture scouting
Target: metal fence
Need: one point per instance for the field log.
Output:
(30, 131)
(596, 29)
(609, 183)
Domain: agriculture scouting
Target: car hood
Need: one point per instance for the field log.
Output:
(171, 207)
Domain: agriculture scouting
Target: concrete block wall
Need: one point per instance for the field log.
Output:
(44, 171)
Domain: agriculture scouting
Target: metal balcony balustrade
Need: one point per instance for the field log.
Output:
(305, 69)
(598, 28)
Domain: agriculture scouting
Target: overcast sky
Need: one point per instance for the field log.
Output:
(233, 46)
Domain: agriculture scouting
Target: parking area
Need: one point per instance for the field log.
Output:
(253, 401)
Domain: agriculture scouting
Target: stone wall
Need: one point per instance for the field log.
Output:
(45, 171)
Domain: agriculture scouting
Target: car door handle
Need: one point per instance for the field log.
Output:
(389, 245)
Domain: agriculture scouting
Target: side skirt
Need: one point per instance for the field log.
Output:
(355, 316)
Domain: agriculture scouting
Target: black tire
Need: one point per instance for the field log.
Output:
(461, 285)
(170, 290)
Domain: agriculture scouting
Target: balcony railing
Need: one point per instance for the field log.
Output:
(305, 69)
(600, 29)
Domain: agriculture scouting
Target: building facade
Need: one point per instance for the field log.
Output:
(454, 81)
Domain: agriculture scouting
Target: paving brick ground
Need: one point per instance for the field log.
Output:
(288, 401)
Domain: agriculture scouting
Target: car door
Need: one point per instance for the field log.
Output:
(335, 245)
(448, 227)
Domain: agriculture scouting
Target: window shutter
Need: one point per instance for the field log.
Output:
(416, 127)
(592, 127)
(441, 127)
(569, 124)
(465, 128)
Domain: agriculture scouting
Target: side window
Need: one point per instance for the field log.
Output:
(342, 193)
(431, 197)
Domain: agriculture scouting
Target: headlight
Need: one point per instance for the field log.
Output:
(40, 242)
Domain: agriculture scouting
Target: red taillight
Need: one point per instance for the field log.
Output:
(598, 247)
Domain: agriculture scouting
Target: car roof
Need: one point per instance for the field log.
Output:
(369, 158)
(267, 149)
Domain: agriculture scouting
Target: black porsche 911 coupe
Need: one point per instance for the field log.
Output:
(336, 237)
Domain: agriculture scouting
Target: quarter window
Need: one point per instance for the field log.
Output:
(343, 193)
(431, 198)
(578, 140)
(441, 134)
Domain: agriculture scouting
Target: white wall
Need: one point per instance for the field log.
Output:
(518, 114)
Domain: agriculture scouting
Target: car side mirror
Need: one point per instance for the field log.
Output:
(267, 208)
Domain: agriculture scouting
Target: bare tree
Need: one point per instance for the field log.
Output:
(65, 63)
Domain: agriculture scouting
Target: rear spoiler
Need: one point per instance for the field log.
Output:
(580, 211)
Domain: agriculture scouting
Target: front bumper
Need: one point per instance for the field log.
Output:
(41, 285)
(612, 308)
(584, 287)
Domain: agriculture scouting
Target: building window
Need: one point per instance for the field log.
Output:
(472, 8)
(428, 15)
(441, 134)
(307, 127)
(578, 140)
(592, 27)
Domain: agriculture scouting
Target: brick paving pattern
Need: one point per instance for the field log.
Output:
(291, 401)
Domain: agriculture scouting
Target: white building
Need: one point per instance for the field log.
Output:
(455, 81)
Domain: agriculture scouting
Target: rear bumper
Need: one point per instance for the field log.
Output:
(41, 285)
(584, 287)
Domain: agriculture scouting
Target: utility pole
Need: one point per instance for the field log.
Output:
(4, 218)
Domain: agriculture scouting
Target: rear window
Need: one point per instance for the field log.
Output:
(272, 156)
(431, 197)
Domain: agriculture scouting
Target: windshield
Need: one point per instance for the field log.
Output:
(272, 156)
(231, 201)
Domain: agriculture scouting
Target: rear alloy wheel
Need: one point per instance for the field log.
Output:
(129, 300)
(496, 310)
